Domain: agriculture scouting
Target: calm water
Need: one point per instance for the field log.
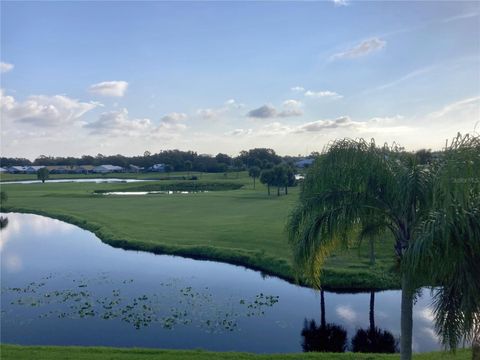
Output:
(62, 286)
(166, 192)
(86, 180)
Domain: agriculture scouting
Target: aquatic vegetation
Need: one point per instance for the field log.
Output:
(105, 299)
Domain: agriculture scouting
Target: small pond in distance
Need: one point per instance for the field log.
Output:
(62, 286)
(80, 180)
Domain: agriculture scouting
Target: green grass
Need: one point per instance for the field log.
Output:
(242, 226)
(102, 353)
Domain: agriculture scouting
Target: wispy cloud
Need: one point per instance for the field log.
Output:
(5, 67)
(110, 88)
(460, 17)
(410, 75)
(364, 48)
(316, 94)
(322, 94)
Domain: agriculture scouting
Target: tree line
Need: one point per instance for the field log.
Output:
(178, 160)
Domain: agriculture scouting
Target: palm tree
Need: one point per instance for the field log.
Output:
(357, 185)
(254, 172)
(450, 235)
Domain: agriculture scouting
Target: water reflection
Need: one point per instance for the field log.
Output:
(373, 339)
(3, 222)
(326, 337)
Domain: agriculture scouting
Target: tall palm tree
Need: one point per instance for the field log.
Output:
(447, 247)
(356, 185)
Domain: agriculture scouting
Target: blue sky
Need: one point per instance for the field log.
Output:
(122, 77)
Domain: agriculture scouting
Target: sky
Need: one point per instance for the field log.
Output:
(110, 77)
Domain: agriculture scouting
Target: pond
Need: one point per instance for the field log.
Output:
(84, 180)
(62, 286)
(166, 192)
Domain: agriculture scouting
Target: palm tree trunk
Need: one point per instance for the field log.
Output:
(254, 183)
(323, 322)
(372, 310)
(268, 187)
(406, 322)
(372, 251)
(476, 343)
(278, 191)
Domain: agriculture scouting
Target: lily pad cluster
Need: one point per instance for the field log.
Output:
(172, 304)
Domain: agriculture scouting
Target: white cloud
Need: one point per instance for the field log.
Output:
(322, 94)
(232, 103)
(239, 132)
(344, 124)
(292, 103)
(5, 67)
(340, 2)
(316, 94)
(118, 123)
(364, 48)
(110, 88)
(290, 108)
(210, 114)
(298, 89)
(42, 110)
(216, 113)
(173, 118)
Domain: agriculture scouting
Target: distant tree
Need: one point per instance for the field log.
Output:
(423, 156)
(7, 162)
(188, 166)
(267, 178)
(223, 159)
(291, 181)
(238, 164)
(254, 172)
(3, 220)
(267, 165)
(279, 177)
(261, 154)
(43, 174)
(146, 153)
(168, 169)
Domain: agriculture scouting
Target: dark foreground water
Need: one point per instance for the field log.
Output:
(62, 286)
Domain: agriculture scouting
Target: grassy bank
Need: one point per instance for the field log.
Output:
(244, 226)
(101, 353)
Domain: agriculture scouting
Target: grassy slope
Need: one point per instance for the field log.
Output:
(99, 353)
(242, 226)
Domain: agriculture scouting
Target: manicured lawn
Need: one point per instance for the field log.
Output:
(101, 353)
(242, 226)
